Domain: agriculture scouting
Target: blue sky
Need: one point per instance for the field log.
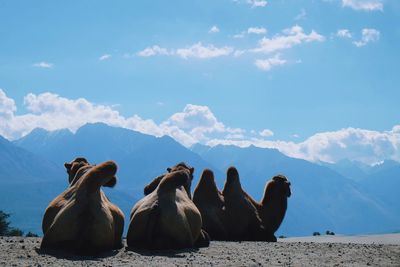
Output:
(291, 70)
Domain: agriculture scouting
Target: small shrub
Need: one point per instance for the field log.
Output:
(282, 236)
(30, 234)
(15, 232)
(5, 229)
(316, 234)
(4, 223)
(329, 233)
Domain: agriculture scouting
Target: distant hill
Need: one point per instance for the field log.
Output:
(140, 157)
(383, 182)
(353, 170)
(380, 181)
(323, 199)
(28, 182)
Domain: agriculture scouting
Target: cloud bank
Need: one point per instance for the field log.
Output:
(194, 124)
(366, 5)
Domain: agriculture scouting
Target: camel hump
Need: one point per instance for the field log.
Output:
(153, 185)
(232, 183)
(207, 178)
(100, 175)
(207, 174)
(232, 174)
(173, 180)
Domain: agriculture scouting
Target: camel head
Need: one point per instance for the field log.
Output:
(180, 166)
(74, 166)
(78, 167)
(282, 185)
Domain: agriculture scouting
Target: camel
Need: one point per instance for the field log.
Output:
(82, 219)
(180, 166)
(273, 205)
(242, 219)
(210, 202)
(167, 218)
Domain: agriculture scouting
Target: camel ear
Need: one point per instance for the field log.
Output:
(191, 170)
(111, 183)
(67, 166)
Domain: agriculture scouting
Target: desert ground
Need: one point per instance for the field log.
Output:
(382, 250)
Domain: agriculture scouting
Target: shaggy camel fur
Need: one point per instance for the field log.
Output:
(273, 206)
(82, 219)
(210, 202)
(167, 218)
(242, 219)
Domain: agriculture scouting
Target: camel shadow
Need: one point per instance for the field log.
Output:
(72, 256)
(170, 253)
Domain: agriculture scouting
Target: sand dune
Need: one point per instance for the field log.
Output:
(312, 251)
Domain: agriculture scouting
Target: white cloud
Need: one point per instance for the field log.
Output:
(153, 51)
(195, 123)
(197, 50)
(44, 65)
(7, 106)
(266, 133)
(361, 145)
(238, 53)
(194, 116)
(368, 35)
(367, 5)
(253, 3)
(351, 143)
(105, 57)
(256, 30)
(269, 63)
(198, 122)
(52, 112)
(343, 33)
(257, 3)
(291, 37)
(200, 51)
(214, 29)
(301, 15)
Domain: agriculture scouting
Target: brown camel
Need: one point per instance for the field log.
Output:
(210, 202)
(273, 206)
(167, 218)
(82, 219)
(242, 219)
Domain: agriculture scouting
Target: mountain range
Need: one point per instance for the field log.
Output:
(346, 197)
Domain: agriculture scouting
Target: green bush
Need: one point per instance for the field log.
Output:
(30, 234)
(4, 223)
(15, 232)
(5, 229)
(316, 234)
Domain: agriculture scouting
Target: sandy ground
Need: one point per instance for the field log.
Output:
(16, 251)
(386, 239)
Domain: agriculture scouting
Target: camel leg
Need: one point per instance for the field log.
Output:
(203, 240)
